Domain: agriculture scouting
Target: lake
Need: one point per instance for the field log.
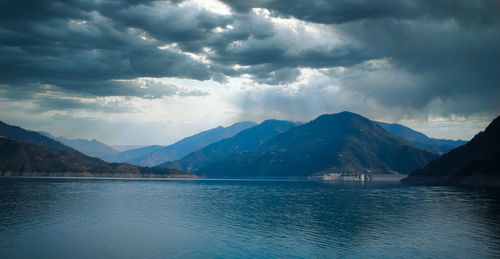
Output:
(103, 218)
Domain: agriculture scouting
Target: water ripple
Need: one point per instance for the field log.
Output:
(241, 219)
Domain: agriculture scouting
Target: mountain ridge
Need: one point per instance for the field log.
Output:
(476, 163)
(332, 143)
(16, 132)
(182, 147)
(438, 146)
(28, 153)
(245, 140)
(92, 147)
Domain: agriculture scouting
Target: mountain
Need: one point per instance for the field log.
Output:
(131, 154)
(19, 133)
(438, 146)
(121, 148)
(89, 147)
(92, 148)
(335, 143)
(476, 163)
(246, 140)
(156, 156)
(28, 153)
(18, 158)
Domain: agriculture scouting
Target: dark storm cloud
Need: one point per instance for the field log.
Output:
(67, 104)
(324, 11)
(439, 51)
(442, 59)
(82, 45)
(186, 25)
(342, 11)
(273, 55)
(143, 88)
(71, 45)
(97, 41)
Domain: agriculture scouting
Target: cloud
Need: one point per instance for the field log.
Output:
(71, 45)
(47, 103)
(431, 60)
(102, 97)
(168, 22)
(397, 60)
(343, 11)
(439, 55)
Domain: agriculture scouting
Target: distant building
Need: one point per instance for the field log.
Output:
(343, 177)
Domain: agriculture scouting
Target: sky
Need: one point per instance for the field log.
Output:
(142, 72)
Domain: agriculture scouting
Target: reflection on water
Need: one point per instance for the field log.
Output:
(282, 219)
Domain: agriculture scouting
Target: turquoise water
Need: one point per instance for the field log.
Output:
(56, 218)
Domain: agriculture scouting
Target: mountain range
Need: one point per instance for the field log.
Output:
(244, 141)
(344, 143)
(128, 156)
(438, 146)
(93, 148)
(19, 133)
(154, 155)
(476, 163)
(28, 153)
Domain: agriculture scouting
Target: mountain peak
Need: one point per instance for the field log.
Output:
(494, 127)
(438, 146)
(332, 143)
(181, 148)
(243, 123)
(244, 141)
(342, 116)
(476, 163)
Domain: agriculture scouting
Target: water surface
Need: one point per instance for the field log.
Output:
(75, 218)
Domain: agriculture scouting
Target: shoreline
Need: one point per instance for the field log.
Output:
(78, 175)
(390, 179)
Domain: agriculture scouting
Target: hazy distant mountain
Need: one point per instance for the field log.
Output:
(121, 148)
(335, 143)
(438, 146)
(131, 154)
(246, 140)
(475, 163)
(92, 148)
(28, 153)
(155, 156)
